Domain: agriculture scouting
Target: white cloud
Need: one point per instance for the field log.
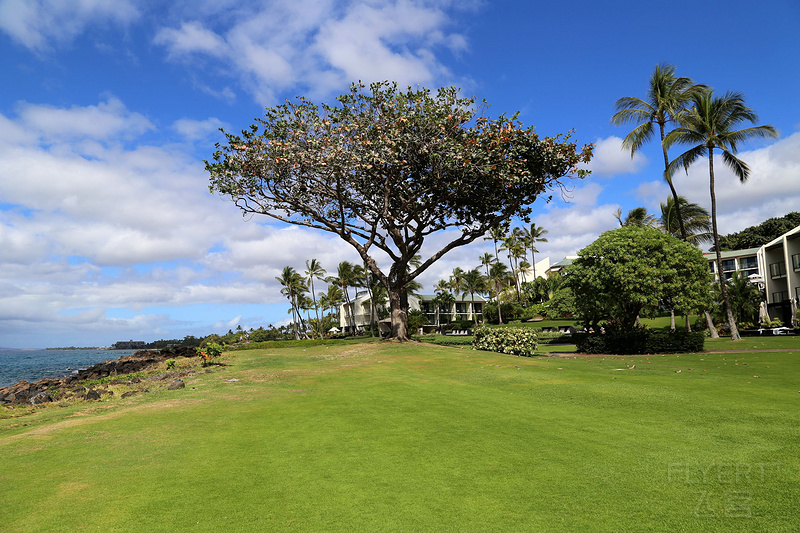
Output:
(191, 38)
(199, 130)
(38, 24)
(610, 159)
(322, 46)
(772, 189)
(109, 119)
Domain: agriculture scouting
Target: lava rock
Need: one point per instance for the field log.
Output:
(177, 384)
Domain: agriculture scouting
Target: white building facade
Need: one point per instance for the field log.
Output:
(774, 268)
(357, 315)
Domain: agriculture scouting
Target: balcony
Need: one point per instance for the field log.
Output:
(748, 263)
(777, 270)
(780, 296)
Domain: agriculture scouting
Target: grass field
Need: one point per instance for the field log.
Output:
(416, 437)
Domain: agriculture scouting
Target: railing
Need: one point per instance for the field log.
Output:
(780, 296)
(777, 270)
(748, 263)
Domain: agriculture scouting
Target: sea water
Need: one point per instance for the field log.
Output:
(33, 365)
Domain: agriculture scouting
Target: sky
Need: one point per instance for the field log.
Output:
(108, 109)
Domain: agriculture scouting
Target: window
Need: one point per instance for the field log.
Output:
(780, 296)
(796, 261)
(747, 263)
(728, 265)
(777, 270)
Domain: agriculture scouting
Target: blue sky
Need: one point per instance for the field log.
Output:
(107, 109)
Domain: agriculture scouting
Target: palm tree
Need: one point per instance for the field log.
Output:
(486, 261)
(498, 277)
(346, 276)
(638, 216)
(667, 98)
(711, 124)
(333, 297)
(497, 234)
(696, 220)
(513, 245)
(532, 235)
(315, 270)
(473, 282)
(293, 286)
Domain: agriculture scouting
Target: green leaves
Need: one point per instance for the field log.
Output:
(385, 168)
(630, 268)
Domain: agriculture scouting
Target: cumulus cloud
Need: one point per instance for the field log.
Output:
(321, 47)
(109, 119)
(772, 189)
(610, 159)
(198, 130)
(39, 24)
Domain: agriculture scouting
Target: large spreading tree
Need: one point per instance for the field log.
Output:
(386, 168)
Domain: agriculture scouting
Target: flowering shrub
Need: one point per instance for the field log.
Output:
(513, 341)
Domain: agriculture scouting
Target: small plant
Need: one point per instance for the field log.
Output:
(171, 364)
(209, 352)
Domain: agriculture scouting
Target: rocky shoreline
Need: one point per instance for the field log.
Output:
(50, 389)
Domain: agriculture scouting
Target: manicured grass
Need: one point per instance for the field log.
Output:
(415, 437)
(767, 342)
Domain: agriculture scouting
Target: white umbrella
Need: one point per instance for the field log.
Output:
(762, 312)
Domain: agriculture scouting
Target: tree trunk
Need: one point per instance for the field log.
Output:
(722, 284)
(499, 313)
(688, 324)
(398, 301)
(672, 319)
(712, 329)
(671, 186)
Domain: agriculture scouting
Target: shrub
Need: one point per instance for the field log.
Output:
(639, 341)
(513, 341)
(774, 323)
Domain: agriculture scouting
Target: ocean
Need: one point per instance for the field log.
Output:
(33, 365)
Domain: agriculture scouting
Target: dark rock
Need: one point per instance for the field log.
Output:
(178, 351)
(162, 377)
(42, 397)
(92, 394)
(177, 384)
(129, 393)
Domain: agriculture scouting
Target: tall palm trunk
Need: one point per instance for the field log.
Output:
(671, 186)
(722, 285)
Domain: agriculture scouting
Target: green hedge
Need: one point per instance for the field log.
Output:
(640, 341)
(513, 341)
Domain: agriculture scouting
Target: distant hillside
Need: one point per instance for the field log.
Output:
(756, 236)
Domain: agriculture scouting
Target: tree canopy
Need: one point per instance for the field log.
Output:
(761, 234)
(385, 168)
(629, 268)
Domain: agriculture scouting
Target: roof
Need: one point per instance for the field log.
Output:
(732, 254)
(565, 262)
(458, 298)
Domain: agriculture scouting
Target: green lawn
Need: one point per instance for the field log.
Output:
(416, 437)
